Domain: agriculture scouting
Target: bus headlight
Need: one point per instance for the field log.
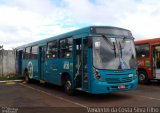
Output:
(97, 75)
(135, 76)
(130, 75)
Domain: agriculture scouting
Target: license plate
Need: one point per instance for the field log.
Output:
(121, 87)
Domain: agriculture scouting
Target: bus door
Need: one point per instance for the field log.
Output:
(19, 61)
(42, 53)
(80, 65)
(156, 61)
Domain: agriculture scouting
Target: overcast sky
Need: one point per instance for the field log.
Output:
(24, 21)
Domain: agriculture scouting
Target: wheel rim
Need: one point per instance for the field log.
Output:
(68, 85)
(142, 77)
(26, 78)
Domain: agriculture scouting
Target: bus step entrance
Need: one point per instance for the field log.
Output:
(79, 89)
(42, 81)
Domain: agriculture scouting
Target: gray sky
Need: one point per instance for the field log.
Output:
(24, 21)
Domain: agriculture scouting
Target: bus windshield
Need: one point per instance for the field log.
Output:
(113, 53)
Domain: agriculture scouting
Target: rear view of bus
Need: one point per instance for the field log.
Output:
(114, 60)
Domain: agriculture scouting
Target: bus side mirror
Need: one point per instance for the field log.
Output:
(90, 42)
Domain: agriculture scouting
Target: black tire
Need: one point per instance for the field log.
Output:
(158, 81)
(26, 77)
(143, 77)
(68, 86)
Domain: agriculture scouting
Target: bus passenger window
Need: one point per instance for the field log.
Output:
(34, 52)
(66, 48)
(142, 50)
(27, 53)
(52, 50)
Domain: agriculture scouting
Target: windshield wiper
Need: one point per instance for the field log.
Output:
(114, 48)
(111, 44)
(120, 47)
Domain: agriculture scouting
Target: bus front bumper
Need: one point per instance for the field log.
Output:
(104, 87)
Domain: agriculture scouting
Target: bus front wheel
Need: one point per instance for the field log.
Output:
(68, 86)
(142, 77)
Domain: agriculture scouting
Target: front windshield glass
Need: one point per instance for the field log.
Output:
(113, 53)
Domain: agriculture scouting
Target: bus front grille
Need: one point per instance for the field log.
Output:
(118, 80)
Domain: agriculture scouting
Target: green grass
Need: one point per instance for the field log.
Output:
(10, 78)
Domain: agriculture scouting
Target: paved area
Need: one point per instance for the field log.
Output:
(36, 97)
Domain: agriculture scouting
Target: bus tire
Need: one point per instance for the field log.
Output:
(26, 77)
(68, 86)
(143, 77)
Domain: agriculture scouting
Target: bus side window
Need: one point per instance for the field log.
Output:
(142, 50)
(52, 50)
(34, 52)
(66, 48)
(27, 53)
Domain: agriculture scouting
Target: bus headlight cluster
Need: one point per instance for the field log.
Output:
(97, 75)
(130, 75)
(135, 76)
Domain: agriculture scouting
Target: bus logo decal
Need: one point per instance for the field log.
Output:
(30, 69)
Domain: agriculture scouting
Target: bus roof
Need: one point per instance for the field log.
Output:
(153, 40)
(85, 30)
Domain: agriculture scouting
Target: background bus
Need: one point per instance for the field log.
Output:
(148, 58)
(94, 59)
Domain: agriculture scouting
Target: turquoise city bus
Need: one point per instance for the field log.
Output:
(95, 59)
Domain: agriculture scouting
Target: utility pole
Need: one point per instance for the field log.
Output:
(1, 48)
(2, 60)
